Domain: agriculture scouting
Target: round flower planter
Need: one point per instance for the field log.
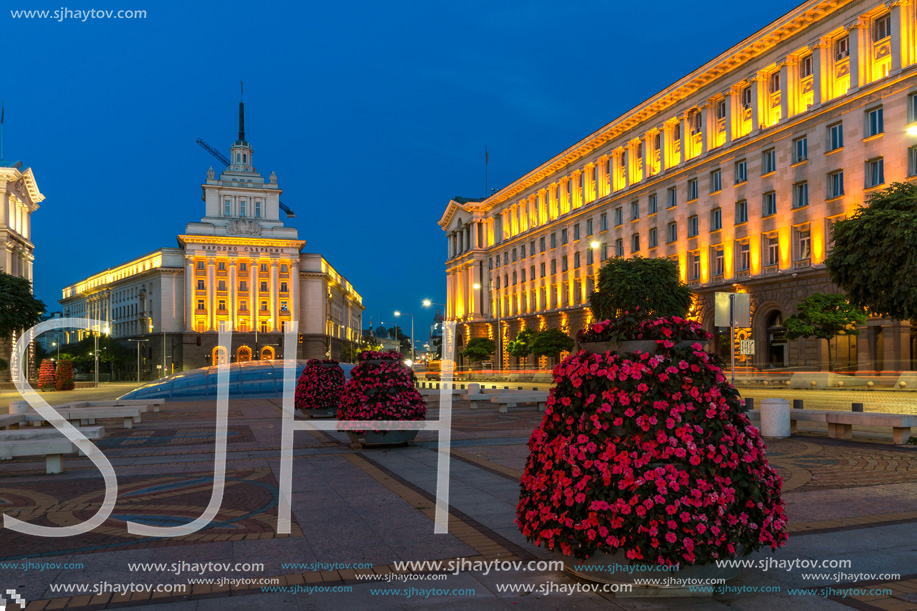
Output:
(592, 569)
(382, 438)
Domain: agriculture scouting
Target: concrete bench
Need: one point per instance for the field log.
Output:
(435, 392)
(475, 397)
(512, 399)
(81, 413)
(840, 423)
(151, 405)
(48, 443)
(8, 420)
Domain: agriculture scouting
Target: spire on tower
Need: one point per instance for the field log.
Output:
(241, 113)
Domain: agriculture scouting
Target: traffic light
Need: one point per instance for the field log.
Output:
(300, 338)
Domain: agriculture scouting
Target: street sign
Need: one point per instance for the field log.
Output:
(741, 310)
(747, 347)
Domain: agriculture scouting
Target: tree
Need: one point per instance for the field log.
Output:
(479, 349)
(521, 347)
(18, 307)
(650, 284)
(551, 342)
(871, 260)
(826, 317)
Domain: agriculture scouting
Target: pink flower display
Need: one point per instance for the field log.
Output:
(381, 387)
(633, 327)
(650, 455)
(320, 386)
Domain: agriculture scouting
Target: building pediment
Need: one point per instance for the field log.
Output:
(22, 185)
(456, 215)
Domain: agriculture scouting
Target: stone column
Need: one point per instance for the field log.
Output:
(253, 292)
(626, 164)
(855, 30)
(819, 65)
(899, 25)
(786, 90)
(190, 301)
(663, 142)
(685, 139)
(450, 294)
(275, 301)
(731, 97)
(211, 294)
(233, 291)
(755, 81)
(706, 111)
(294, 278)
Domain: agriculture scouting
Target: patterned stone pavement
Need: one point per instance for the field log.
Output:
(377, 506)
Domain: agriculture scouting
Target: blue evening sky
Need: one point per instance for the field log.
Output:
(373, 115)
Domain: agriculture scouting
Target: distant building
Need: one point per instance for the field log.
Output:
(736, 172)
(19, 198)
(239, 268)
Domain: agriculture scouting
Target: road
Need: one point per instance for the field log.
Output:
(108, 390)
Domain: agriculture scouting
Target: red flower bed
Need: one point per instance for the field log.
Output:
(64, 376)
(320, 386)
(651, 455)
(381, 387)
(46, 375)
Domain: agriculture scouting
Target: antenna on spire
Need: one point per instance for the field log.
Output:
(241, 113)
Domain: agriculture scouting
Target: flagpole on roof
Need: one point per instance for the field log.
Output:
(486, 160)
(2, 127)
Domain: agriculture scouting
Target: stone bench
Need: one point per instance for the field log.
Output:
(8, 420)
(48, 443)
(152, 405)
(840, 423)
(475, 397)
(81, 413)
(435, 392)
(512, 399)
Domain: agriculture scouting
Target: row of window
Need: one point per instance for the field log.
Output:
(243, 305)
(243, 286)
(243, 266)
(243, 208)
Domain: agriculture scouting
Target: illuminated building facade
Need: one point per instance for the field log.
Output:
(19, 198)
(238, 268)
(736, 172)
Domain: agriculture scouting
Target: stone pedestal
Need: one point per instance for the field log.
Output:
(775, 418)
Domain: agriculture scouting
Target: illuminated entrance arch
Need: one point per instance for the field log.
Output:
(267, 353)
(219, 356)
(243, 354)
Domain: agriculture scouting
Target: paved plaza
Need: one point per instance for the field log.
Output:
(846, 500)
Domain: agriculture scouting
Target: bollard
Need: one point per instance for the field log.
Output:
(775, 418)
(749, 403)
(856, 407)
(797, 404)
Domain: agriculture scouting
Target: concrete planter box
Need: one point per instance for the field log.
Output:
(385, 438)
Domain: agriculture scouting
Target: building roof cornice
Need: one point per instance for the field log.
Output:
(733, 58)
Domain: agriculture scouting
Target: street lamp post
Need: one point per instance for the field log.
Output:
(139, 342)
(95, 354)
(397, 313)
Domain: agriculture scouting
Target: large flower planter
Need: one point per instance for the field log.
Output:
(382, 438)
(593, 569)
(645, 456)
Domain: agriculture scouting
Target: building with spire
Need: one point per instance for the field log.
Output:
(239, 267)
